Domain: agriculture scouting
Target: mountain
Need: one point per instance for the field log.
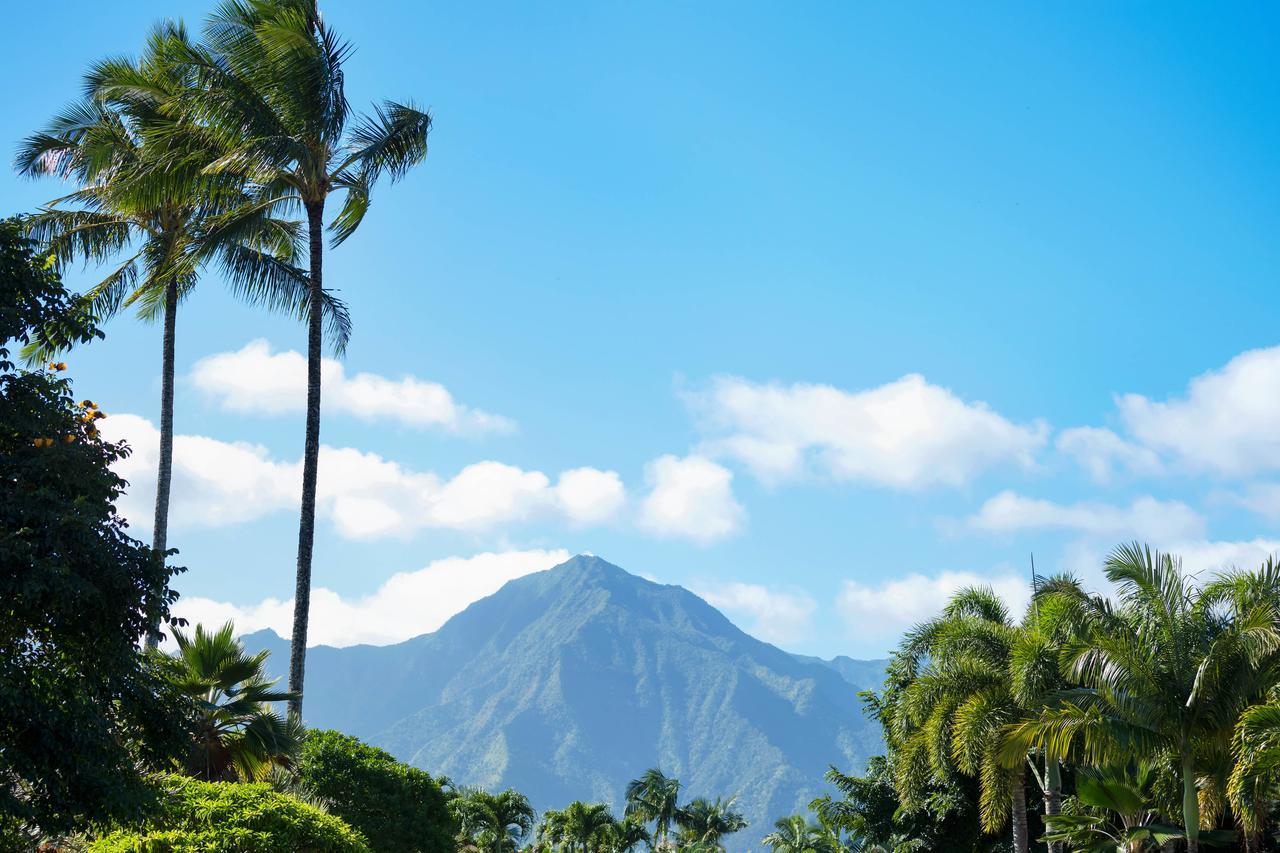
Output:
(567, 683)
(862, 674)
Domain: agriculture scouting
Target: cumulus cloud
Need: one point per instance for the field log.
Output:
(1145, 518)
(364, 495)
(771, 615)
(690, 497)
(254, 379)
(1227, 423)
(877, 614)
(406, 605)
(1102, 453)
(907, 434)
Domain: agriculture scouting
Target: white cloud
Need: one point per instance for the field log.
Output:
(1204, 558)
(1227, 423)
(692, 498)
(1145, 518)
(1101, 452)
(878, 614)
(907, 434)
(365, 496)
(406, 605)
(254, 379)
(772, 615)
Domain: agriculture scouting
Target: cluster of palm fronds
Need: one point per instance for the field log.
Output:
(1156, 709)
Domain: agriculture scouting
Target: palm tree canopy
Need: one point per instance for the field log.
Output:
(654, 797)
(144, 205)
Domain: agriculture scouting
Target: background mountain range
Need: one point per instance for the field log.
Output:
(567, 683)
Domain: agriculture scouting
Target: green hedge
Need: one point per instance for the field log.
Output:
(232, 817)
(399, 808)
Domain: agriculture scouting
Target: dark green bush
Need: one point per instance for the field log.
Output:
(232, 817)
(400, 809)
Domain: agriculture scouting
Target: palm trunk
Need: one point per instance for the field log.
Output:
(1252, 841)
(310, 464)
(1190, 807)
(164, 475)
(1019, 812)
(1053, 795)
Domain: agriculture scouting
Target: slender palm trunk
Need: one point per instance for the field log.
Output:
(1053, 795)
(164, 475)
(310, 464)
(1019, 810)
(1190, 807)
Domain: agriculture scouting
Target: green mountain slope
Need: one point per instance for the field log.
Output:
(567, 683)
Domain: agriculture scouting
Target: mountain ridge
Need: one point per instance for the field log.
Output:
(568, 682)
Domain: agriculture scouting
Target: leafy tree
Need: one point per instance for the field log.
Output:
(628, 834)
(654, 797)
(238, 734)
(223, 817)
(82, 714)
(271, 108)
(1169, 673)
(708, 821)
(493, 823)
(400, 809)
(796, 834)
(143, 199)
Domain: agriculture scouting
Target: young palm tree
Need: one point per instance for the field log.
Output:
(493, 823)
(708, 821)
(1168, 674)
(654, 797)
(794, 834)
(140, 200)
(238, 735)
(271, 109)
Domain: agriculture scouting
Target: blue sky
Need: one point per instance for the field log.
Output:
(700, 246)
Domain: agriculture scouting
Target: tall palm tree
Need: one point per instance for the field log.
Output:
(586, 827)
(1169, 673)
(238, 735)
(707, 821)
(493, 823)
(654, 797)
(795, 834)
(271, 109)
(139, 199)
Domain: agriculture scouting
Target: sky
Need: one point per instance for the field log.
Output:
(821, 310)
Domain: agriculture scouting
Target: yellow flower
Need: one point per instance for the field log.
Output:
(69, 439)
(99, 415)
(58, 365)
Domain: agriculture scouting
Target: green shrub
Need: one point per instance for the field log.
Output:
(399, 808)
(232, 817)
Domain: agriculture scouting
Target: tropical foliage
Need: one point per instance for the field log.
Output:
(79, 707)
(398, 808)
(238, 735)
(223, 817)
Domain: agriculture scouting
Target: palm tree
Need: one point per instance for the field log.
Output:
(1168, 674)
(970, 674)
(238, 735)
(138, 198)
(271, 109)
(707, 821)
(654, 797)
(794, 834)
(493, 823)
(588, 827)
(628, 833)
